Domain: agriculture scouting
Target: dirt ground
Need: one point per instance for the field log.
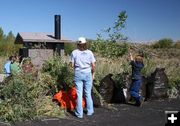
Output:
(152, 113)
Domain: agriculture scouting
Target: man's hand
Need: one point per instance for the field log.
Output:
(71, 64)
(93, 75)
(93, 70)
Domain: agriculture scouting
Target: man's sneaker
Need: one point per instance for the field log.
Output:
(90, 114)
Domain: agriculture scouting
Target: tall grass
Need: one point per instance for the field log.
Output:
(25, 97)
(105, 66)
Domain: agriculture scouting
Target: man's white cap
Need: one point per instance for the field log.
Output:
(81, 40)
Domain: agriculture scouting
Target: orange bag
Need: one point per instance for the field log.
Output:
(67, 100)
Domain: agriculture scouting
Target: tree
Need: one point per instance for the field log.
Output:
(7, 46)
(114, 33)
(10, 37)
(2, 36)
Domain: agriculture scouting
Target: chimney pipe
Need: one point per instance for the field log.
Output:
(57, 29)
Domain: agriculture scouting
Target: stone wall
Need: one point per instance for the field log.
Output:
(38, 56)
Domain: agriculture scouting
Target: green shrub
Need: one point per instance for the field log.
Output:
(175, 82)
(174, 87)
(109, 49)
(163, 43)
(59, 69)
(119, 80)
(69, 47)
(177, 45)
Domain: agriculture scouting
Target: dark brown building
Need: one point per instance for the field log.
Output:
(38, 44)
(33, 40)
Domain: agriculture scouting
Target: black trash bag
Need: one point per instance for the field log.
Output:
(97, 98)
(106, 88)
(121, 87)
(157, 84)
(118, 96)
(143, 89)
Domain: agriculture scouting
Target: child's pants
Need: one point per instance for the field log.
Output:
(134, 90)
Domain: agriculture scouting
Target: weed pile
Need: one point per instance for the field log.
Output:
(23, 98)
(27, 97)
(60, 70)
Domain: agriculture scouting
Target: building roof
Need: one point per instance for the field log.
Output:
(38, 37)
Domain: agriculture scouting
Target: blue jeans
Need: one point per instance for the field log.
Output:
(83, 83)
(134, 90)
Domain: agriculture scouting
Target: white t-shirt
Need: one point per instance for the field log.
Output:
(82, 60)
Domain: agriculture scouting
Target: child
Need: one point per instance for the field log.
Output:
(15, 65)
(7, 70)
(137, 65)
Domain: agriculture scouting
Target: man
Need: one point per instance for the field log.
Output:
(83, 62)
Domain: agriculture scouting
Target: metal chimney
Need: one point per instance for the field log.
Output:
(57, 29)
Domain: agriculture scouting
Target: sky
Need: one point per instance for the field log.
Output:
(148, 20)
